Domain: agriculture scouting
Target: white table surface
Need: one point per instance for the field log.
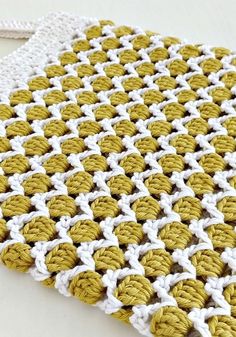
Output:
(28, 309)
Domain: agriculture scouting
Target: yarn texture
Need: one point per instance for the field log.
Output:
(118, 172)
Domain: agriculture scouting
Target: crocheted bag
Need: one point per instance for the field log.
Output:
(118, 172)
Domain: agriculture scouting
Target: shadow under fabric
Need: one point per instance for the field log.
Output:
(118, 171)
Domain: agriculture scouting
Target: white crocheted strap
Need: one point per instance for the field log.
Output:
(14, 29)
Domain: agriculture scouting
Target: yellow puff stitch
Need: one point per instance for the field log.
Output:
(119, 159)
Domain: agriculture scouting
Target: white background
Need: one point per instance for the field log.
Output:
(28, 309)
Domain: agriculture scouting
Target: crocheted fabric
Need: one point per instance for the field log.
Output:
(118, 173)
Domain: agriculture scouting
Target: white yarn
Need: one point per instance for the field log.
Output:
(14, 29)
(52, 35)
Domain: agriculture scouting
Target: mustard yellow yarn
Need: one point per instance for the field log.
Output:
(127, 171)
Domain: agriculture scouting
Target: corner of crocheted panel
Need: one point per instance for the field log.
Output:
(53, 33)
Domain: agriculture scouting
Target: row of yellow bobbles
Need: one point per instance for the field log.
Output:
(151, 96)
(104, 83)
(176, 67)
(211, 163)
(174, 235)
(122, 128)
(138, 111)
(183, 143)
(125, 127)
(82, 182)
(145, 208)
(134, 289)
(156, 262)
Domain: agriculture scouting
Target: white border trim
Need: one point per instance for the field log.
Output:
(52, 33)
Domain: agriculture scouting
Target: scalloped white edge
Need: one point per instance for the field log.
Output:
(51, 33)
